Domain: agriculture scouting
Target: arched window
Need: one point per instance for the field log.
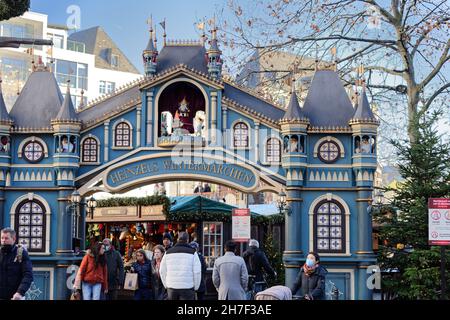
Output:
(30, 225)
(240, 135)
(122, 135)
(89, 150)
(329, 227)
(273, 150)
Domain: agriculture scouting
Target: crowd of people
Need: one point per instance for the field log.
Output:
(173, 272)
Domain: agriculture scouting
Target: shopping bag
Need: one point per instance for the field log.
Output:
(76, 295)
(131, 280)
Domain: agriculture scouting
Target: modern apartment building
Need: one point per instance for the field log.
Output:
(88, 58)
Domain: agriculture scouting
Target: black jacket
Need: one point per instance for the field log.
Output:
(313, 285)
(256, 261)
(14, 276)
(114, 264)
(202, 287)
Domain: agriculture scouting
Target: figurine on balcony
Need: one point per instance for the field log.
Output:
(166, 123)
(199, 123)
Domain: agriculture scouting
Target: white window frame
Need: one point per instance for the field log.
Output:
(32, 139)
(48, 212)
(207, 255)
(114, 147)
(82, 150)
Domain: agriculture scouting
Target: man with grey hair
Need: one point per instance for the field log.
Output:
(16, 271)
(114, 265)
(181, 270)
(257, 262)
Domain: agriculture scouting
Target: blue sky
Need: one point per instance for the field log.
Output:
(125, 21)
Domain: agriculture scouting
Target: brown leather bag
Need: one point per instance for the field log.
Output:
(76, 295)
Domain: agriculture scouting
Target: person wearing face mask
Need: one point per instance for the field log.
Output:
(114, 265)
(310, 281)
(16, 271)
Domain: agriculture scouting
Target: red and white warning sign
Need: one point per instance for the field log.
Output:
(439, 221)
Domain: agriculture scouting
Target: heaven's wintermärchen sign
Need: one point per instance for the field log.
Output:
(188, 169)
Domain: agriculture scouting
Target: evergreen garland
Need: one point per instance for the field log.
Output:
(184, 216)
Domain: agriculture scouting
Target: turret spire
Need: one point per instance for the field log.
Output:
(151, 52)
(214, 56)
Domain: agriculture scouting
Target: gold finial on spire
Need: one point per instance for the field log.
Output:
(293, 74)
(81, 105)
(154, 38)
(163, 25)
(360, 77)
(150, 24)
(316, 61)
(334, 58)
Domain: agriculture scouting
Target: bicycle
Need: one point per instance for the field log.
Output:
(254, 287)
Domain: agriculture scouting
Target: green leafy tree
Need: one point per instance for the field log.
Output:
(13, 8)
(425, 166)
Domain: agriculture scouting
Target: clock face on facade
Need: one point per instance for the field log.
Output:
(329, 152)
(33, 151)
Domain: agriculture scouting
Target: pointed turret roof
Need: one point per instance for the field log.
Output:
(327, 103)
(294, 112)
(4, 115)
(214, 46)
(363, 111)
(39, 101)
(67, 112)
(151, 44)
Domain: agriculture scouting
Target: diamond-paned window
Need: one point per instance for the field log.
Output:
(33, 151)
(240, 135)
(123, 135)
(31, 225)
(329, 152)
(89, 150)
(329, 227)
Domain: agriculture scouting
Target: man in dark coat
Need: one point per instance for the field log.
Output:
(16, 271)
(202, 289)
(310, 282)
(257, 262)
(114, 265)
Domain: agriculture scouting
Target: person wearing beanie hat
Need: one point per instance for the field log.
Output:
(167, 241)
(200, 293)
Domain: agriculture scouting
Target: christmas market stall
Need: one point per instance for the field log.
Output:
(134, 223)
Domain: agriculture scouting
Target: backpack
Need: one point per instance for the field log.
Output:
(250, 262)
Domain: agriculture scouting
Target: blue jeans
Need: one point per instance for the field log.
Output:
(91, 291)
(143, 294)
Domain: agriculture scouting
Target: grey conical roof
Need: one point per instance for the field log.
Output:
(214, 46)
(293, 111)
(363, 111)
(39, 101)
(4, 115)
(67, 111)
(327, 103)
(151, 45)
